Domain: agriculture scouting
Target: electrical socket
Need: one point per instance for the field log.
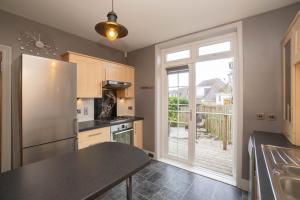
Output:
(260, 116)
(271, 117)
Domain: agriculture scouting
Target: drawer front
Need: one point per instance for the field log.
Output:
(90, 142)
(88, 135)
(89, 138)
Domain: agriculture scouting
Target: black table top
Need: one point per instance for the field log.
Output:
(94, 124)
(84, 174)
(258, 138)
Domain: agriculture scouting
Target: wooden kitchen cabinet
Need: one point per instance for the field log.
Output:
(291, 82)
(115, 72)
(90, 74)
(296, 40)
(92, 137)
(129, 77)
(138, 133)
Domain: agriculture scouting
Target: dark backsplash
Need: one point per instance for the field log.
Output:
(106, 107)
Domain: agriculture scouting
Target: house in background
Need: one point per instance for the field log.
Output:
(213, 92)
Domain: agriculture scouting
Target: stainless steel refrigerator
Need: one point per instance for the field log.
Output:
(44, 109)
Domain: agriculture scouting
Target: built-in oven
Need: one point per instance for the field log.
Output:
(122, 133)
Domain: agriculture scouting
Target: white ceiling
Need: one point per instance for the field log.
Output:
(148, 21)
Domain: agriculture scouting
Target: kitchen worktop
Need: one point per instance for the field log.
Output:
(257, 139)
(94, 124)
(83, 174)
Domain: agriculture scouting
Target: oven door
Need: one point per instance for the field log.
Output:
(125, 137)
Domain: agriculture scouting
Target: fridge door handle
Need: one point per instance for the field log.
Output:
(75, 126)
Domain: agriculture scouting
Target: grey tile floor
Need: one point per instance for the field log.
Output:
(160, 181)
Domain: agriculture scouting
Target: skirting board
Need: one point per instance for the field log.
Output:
(244, 185)
(153, 156)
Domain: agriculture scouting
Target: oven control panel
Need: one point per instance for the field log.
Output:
(121, 127)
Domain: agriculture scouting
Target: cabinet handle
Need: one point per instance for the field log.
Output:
(95, 134)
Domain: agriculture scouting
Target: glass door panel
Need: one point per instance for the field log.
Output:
(178, 112)
(214, 103)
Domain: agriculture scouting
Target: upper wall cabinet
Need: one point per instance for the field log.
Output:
(90, 74)
(129, 77)
(291, 82)
(296, 40)
(115, 72)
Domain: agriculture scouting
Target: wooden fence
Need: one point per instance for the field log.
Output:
(215, 121)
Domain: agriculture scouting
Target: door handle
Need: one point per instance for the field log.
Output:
(94, 134)
(191, 116)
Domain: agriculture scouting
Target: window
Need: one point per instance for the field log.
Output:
(178, 55)
(215, 48)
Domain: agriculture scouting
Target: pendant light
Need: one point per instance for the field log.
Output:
(111, 29)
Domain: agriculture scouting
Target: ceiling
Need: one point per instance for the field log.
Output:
(148, 21)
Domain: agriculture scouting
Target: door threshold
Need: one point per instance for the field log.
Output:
(201, 171)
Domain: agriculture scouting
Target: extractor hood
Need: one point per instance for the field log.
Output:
(109, 84)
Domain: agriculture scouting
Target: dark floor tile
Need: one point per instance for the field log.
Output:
(147, 189)
(160, 181)
(137, 196)
(201, 189)
(147, 171)
(166, 194)
(137, 180)
(186, 176)
(177, 185)
(227, 192)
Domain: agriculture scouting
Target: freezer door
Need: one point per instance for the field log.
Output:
(48, 100)
(44, 151)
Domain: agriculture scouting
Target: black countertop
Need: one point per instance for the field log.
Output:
(94, 124)
(259, 138)
(83, 174)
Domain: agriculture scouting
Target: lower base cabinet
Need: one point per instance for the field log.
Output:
(138, 134)
(92, 137)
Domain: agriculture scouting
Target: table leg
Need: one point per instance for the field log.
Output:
(129, 188)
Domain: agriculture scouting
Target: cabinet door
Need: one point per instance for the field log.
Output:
(90, 74)
(138, 134)
(296, 43)
(96, 75)
(115, 72)
(129, 77)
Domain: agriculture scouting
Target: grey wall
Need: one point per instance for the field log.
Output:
(144, 62)
(262, 35)
(12, 25)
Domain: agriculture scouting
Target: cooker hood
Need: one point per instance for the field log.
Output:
(109, 84)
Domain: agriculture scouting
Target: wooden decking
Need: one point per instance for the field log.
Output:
(209, 153)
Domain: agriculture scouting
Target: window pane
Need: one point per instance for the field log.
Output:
(173, 80)
(184, 79)
(215, 48)
(178, 55)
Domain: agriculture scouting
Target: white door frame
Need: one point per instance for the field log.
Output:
(186, 41)
(6, 107)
